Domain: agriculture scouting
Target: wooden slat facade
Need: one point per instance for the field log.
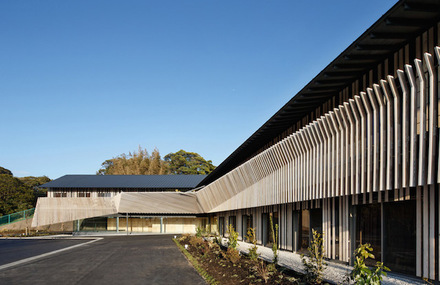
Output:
(384, 141)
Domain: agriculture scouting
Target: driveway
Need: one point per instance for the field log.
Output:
(111, 260)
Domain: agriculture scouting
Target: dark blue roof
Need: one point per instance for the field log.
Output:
(126, 181)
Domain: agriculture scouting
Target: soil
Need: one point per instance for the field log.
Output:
(216, 261)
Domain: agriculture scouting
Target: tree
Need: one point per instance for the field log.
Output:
(183, 162)
(14, 195)
(34, 183)
(5, 171)
(136, 163)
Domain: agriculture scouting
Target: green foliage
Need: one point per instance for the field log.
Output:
(183, 162)
(14, 195)
(199, 232)
(253, 255)
(233, 237)
(274, 233)
(5, 171)
(136, 163)
(232, 255)
(262, 271)
(361, 274)
(314, 264)
(34, 183)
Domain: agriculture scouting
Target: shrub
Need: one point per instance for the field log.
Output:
(199, 232)
(233, 237)
(262, 271)
(196, 242)
(253, 255)
(314, 264)
(361, 274)
(274, 233)
(232, 255)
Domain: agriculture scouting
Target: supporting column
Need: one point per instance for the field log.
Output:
(161, 224)
(117, 224)
(126, 222)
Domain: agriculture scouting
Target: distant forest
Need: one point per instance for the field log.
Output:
(19, 193)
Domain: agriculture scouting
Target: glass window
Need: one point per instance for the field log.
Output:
(305, 230)
(400, 236)
(368, 229)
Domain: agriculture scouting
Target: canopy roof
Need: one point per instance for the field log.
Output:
(126, 181)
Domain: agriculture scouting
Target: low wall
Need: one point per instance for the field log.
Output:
(176, 225)
(27, 223)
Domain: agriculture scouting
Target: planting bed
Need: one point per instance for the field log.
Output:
(225, 266)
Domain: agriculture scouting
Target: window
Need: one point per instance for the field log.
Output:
(221, 225)
(246, 225)
(400, 236)
(233, 222)
(368, 229)
(83, 194)
(107, 194)
(59, 195)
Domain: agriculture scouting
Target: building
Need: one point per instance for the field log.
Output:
(124, 203)
(355, 154)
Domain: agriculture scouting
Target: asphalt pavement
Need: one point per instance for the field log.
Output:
(112, 260)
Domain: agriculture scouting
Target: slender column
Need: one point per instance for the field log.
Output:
(325, 122)
(347, 149)
(369, 139)
(322, 127)
(363, 160)
(413, 126)
(382, 135)
(342, 118)
(357, 153)
(126, 222)
(350, 116)
(422, 112)
(316, 129)
(398, 192)
(376, 139)
(390, 136)
(405, 128)
(331, 180)
(317, 168)
(335, 155)
(433, 110)
(117, 224)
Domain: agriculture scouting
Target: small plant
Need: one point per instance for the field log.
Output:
(253, 255)
(361, 274)
(274, 233)
(199, 232)
(314, 264)
(196, 242)
(262, 271)
(232, 255)
(233, 237)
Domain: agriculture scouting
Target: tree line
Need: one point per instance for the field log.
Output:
(18, 194)
(141, 162)
(21, 193)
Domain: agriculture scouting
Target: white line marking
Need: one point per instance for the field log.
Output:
(33, 258)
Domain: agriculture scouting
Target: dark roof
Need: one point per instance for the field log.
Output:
(403, 22)
(126, 181)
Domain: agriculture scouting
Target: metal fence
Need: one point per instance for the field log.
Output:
(15, 217)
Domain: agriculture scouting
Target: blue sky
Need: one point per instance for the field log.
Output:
(84, 81)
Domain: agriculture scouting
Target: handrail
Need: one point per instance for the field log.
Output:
(15, 217)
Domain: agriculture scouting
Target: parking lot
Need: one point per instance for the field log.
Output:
(111, 260)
